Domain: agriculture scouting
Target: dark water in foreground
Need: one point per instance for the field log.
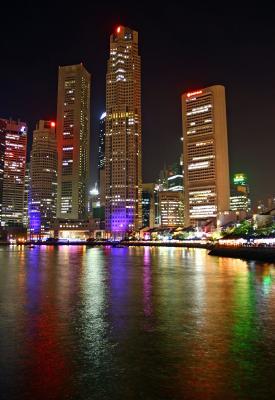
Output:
(137, 323)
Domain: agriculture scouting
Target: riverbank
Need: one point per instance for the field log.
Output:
(266, 254)
(246, 253)
(123, 243)
(192, 244)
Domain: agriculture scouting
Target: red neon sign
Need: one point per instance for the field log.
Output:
(194, 93)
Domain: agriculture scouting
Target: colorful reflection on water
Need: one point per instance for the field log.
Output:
(135, 323)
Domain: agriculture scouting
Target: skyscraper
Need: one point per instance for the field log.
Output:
(43, 178)
(175, 178)
(171, 177)
(73, 141)
(206, 170)
(13, 153)
(26, 196)
(148, 205)
(101, 158)
(101, 147)
(123, 134)
(239, 193)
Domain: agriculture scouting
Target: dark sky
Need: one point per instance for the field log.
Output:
(184, 46)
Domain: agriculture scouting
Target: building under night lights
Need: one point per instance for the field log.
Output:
(73, 142)
(101, 158)
(148, 205)
(206, 170)
(43, 178)
(26, 196)
(123, 134)
(12, 171)
(171, 209)
(239, 196)
(2, 160)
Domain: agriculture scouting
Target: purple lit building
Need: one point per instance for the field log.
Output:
(123, 183)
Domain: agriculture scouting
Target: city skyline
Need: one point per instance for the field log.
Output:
(248, 84)
(137, 200)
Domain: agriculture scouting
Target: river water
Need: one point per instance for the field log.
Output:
(134, 323)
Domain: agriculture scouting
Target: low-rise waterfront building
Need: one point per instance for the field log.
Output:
(171, 208)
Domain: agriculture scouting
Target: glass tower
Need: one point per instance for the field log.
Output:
(73, 142)
(123, 185)
(43, 178)
(12, 177)
(205, 154)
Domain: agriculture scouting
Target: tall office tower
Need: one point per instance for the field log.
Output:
(14, 172)
(73, 142)
(175, 177)
(123, 210)
(2, 161)
(206, 170)
(148, 205)
(101, 158)
(239, 194)
(43, 178)
(26, 196)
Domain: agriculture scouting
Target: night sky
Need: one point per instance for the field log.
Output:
(182, 47)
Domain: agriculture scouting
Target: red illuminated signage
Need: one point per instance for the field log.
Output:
(194, 93)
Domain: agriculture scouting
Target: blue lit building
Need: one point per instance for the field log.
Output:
(43, 179)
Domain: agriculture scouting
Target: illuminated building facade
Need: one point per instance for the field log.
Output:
(101, 158)
(73, 142)
(13, 175)
(171, 180)
(239, 197)
(171, 209)
(175, 178)
(2, 160)
(123, 185)
(26, 196)
(71, 230)
(205, 153)
(171, 177)
(148, 205)
(43, 178)
(101, 147)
